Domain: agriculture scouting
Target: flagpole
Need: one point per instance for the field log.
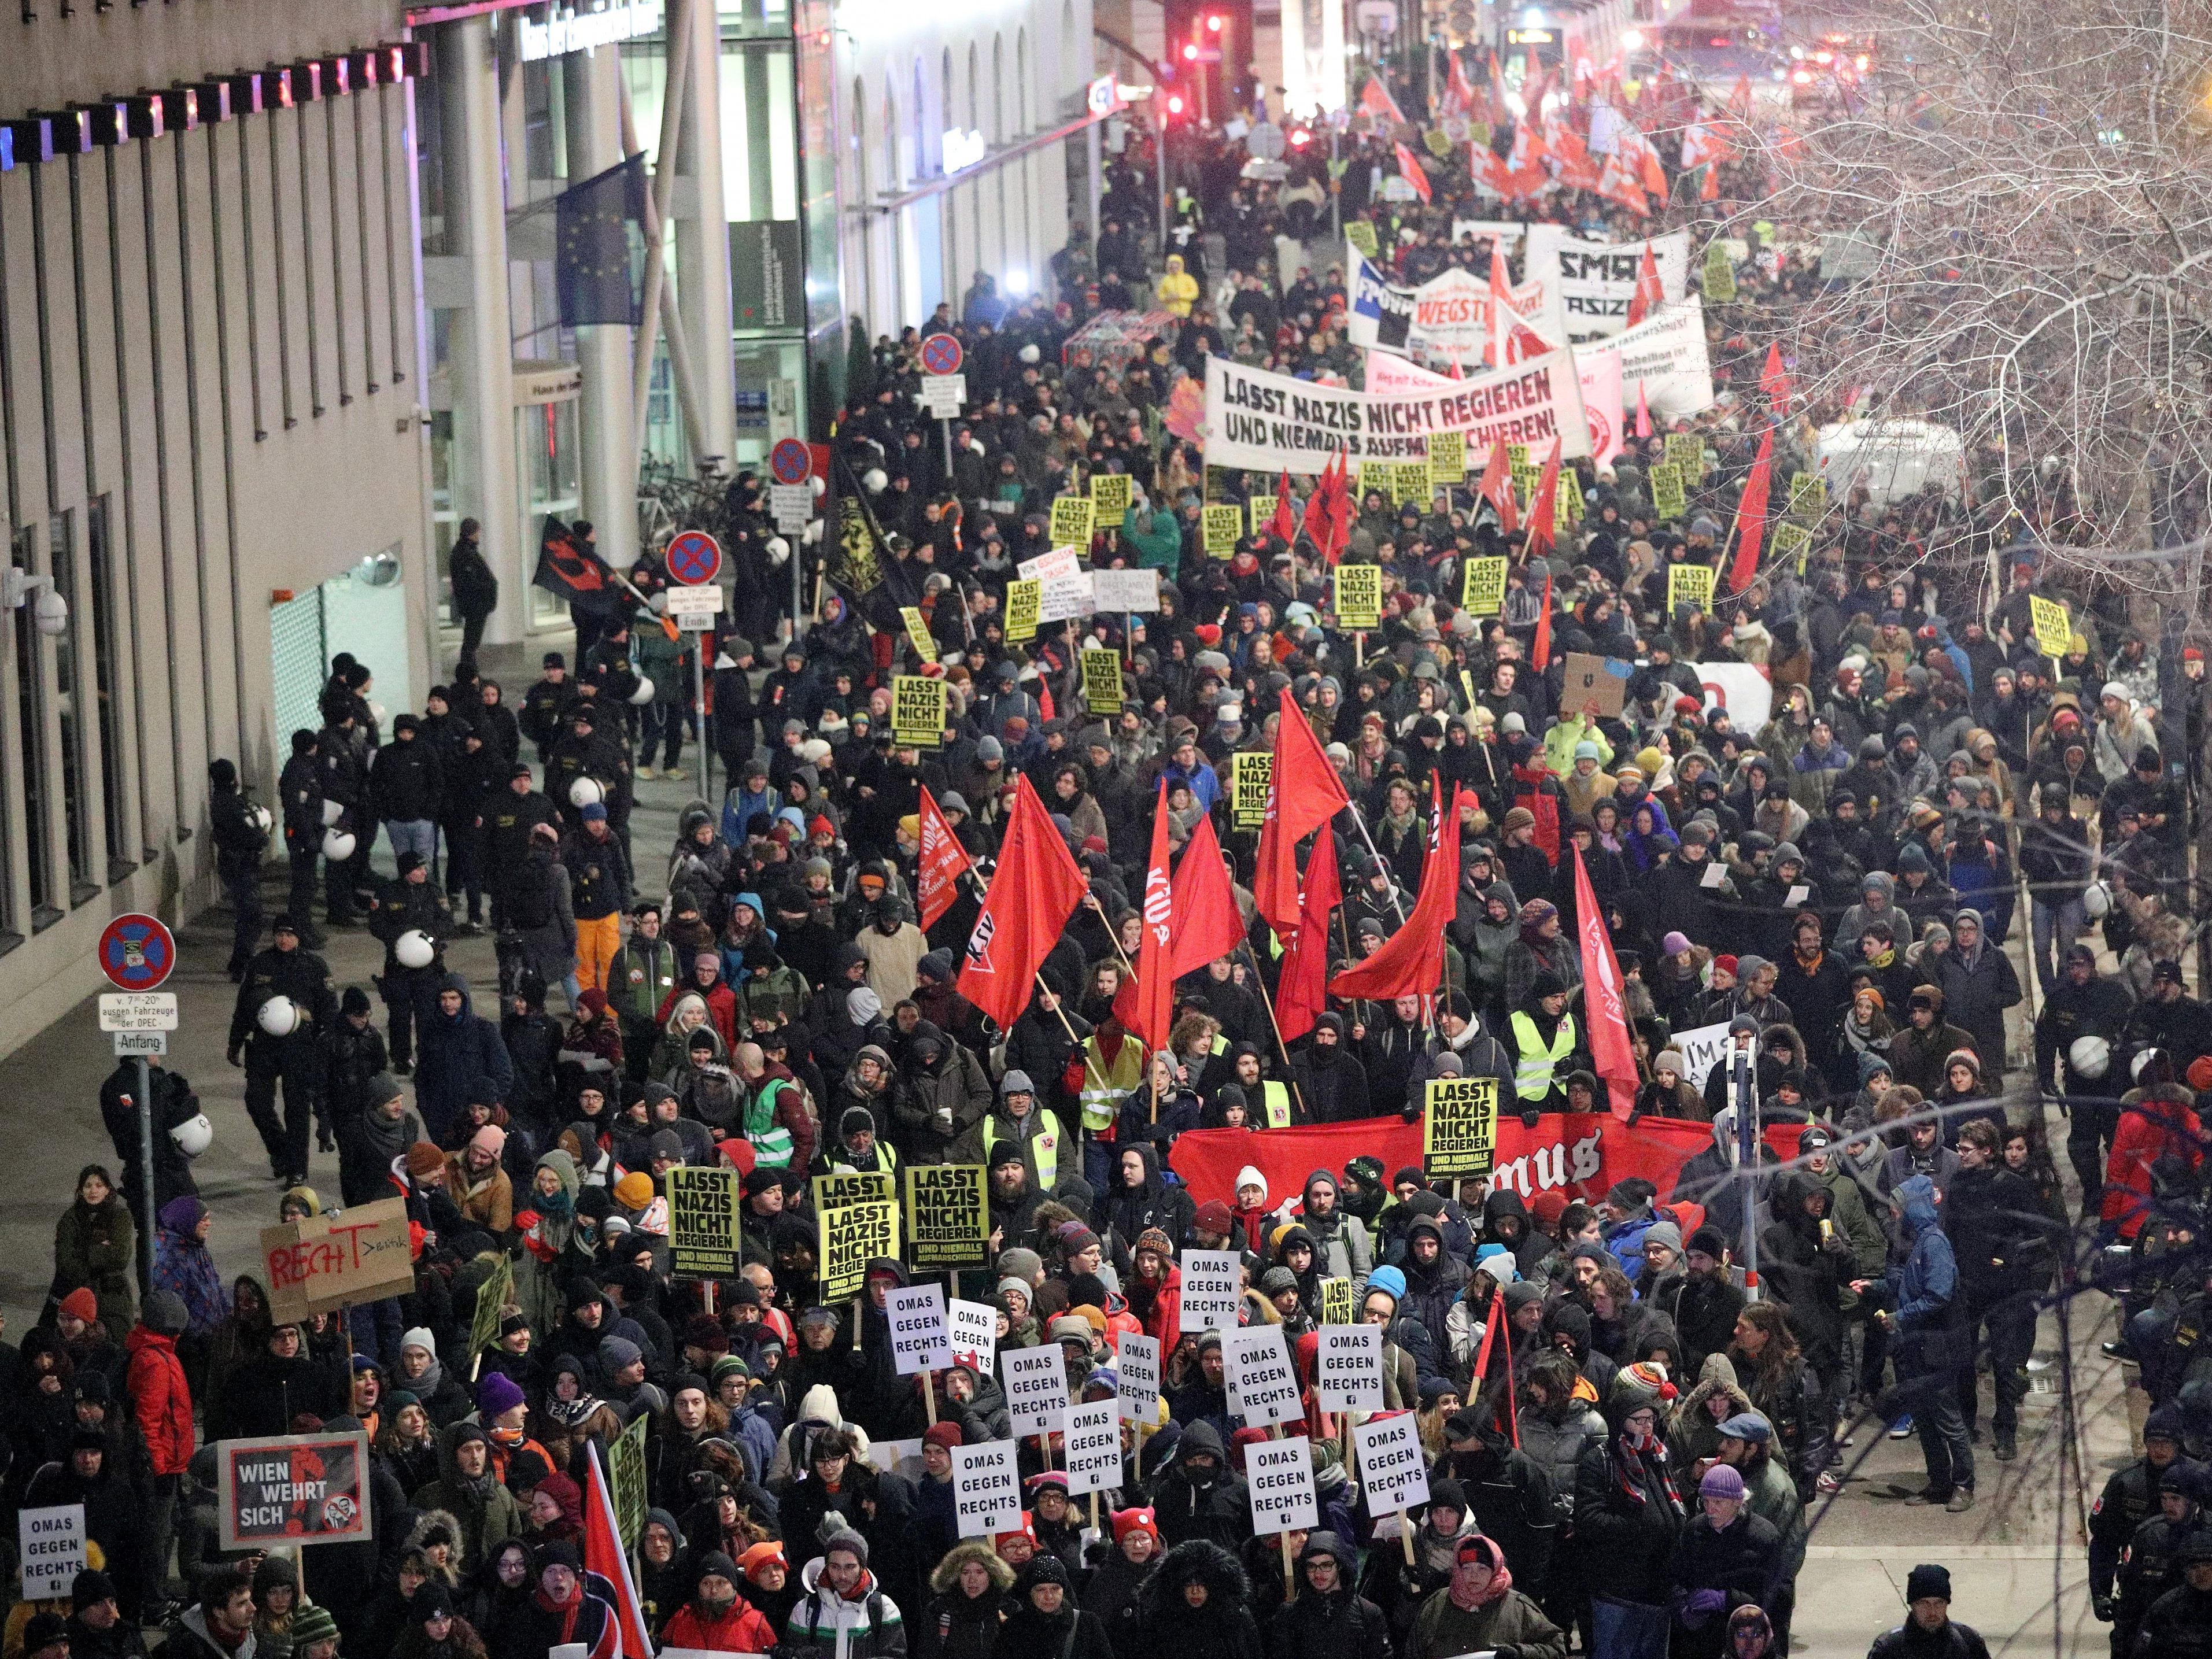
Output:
(1281, 1047)
(1396, 903)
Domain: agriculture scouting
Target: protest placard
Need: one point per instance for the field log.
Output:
(948, 1216)
(1109, 500)
(1361, 234)
(321, 1262)
(1413, 480)
(626, 1480)
(1447, 459)
(2054, 630)
(1459, 1127)
(1809, 496)
(918, 711)
(839, 1187)
(1280, 1477)
(1687, 451)
(1594, 683)
(1482, 587)
(1668, 498)
(1337, 1303)
(1072, 517)
(1136, 590)
(1035, 1381)
(1102, 679)
(702, 1221)
(49, 1549)
(1093, 1443)
(1139, 1399)
(1261, 511)
(492, 1297)
(1359, 596)
(917, 632)
(1348, 1369)
(987, 1489)
(1213, 1285)
(1065, 584)
(1249, 770)
(1792, 542)
(919, 1339)
(1263, 1384)
(1701, 1050)
(1024, 603)
(1393, 1469)
(848, 1239)
(973, 1327)
(1222, 526)
(295, 1489)
(1689, 584)
(1719, 274)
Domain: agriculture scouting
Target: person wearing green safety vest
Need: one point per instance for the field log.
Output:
(1018, 1118)
(1545, 1039)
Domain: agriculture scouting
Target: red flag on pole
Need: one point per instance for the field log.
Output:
(1283, 526)
(1035, 890)
(1540, 654)
(1544, 507)
(1412, 960)
(1649, 295)
(1643, 412)
(1612, 1053)
(1303, 793)
(604, 1555)
(1147, 1004)
(1497, 487)
(1204, 918)
(1304, 994)
(1774, 380)
(1751, 516)
(1409, 169)
(1329, 517)
(942, 861)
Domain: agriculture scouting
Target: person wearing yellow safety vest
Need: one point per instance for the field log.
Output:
(1018, 1118)
(1270, 1105)
(1547, 1044)
(1113, 1067)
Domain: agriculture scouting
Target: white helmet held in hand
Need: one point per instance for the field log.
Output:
(279, 1016)
(194, 1135)
(2089, 1057)
(644, 692)
(331, 813)
(414, 949)
(586, 791)
(337, 846)
(2097, 900)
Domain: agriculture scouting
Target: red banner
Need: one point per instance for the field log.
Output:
(1580, 1154)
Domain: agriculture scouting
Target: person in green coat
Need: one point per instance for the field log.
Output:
(1151, 533)
(668, 664)
(96, 1250)
(1480, 1611)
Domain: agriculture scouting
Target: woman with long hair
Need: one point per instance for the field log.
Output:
(1773, 1373)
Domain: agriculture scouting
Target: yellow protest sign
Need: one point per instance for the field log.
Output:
(841, 1186)
(1438, 142)
(1568, 509)
(948, 1216)
(1249, 770)
(1809, 496)
(1687, 451)
(1361, 235)
(1792, 540)
(917, 632)
(1222, 526)
(1024, 604)
(1102, 680)
(1336, 1302)
(1072, 519)
(1413, 483)
(918, 711)
(1525, 480)
(1669, 498)
(1109, 500)
(1516, 456)
(1720, 275)
(626, 1478)
(1359, 596)
(847, 1240)
(1459, 1127)
(1482, 587)
(702, 1221)
(1690, 585)
(498, 1290)
(1263, 510)
(2053, 630)
(1447, 459)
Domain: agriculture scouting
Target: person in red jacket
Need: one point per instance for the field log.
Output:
(161, 1402)
(1155, 1290)
(2157, 1121)
(717, 1619)
(706, 984)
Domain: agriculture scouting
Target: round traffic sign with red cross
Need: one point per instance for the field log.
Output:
(693, 558)
(789, 461)
(137, 953)
(940, 355)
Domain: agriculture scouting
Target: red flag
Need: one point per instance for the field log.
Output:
(1283, 526)
(1511, 340)
(604, 1555)
(1147, 1003)
(1409, 169)
(1304, 992)
(1610, 1049)
(1648, 296)
(1204, 917)
(1774, 380)
(1459, 92)
(1540, 654)
(1375, 98)
(1751, 516)
(1500, 111)
(1328, 512)
(942, 861)
(1545, 506)
(1035, 890)
(1303, 793)
(1497, 487)
(1738, 99)
(1412, 960)
(1643, 412)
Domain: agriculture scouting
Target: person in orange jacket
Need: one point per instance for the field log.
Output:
(717, 1619)
(162, 1404)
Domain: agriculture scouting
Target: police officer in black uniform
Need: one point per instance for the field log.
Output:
(509, 817)
(345, 781)
(585, 752)
(300, 789)
(2130, 1498)
(239, 841)
(2151, 1566)
(545, 705)
(409, 902)
(284, 969)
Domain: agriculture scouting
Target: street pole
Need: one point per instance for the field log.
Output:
(699, 706)
(147, 1214)
(1746, 1091)
(944, 426)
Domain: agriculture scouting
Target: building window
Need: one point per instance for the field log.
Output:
(31, 739)
(108, 648)
(547, 436)
(69, 698)
(445, 517)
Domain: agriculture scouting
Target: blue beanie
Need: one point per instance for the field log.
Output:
(1387, 1280)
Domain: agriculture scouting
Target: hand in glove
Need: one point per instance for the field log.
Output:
(235, 1056)
(2102, 1607)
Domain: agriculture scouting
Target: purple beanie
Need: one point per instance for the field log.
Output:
(496, 1395)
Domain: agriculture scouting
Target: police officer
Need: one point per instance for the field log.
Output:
(545, 705)
(284, 969)
(407, 904)
(2150, 1566)
(239, 841)
(300, 790)
(585, 751)
(2080, 1031)
(345, 781)
(509, 817)
(2131, 1497)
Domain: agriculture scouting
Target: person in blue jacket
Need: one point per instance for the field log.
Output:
(1918, 1302)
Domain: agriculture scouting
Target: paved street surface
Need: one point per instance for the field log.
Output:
(2016, 1559)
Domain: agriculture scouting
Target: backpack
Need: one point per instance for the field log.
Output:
(531, 905)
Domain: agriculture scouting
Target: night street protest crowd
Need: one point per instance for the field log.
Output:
(983, 945)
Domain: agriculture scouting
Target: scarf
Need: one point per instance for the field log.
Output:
(1501, 1581)
(568, 1609)
(1630, 1450)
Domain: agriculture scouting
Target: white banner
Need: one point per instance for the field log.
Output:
(1125, 590)
(1447, 318)
(1094, 1449)
(919, 1339)
(1348, 1371)
(1138, 1361)
(1742, 689)
(1263, 1389)
(1392, 1469)
(1596, 281)
(1376, 311)
(987, 1489)
(1597, 376)
(1701, 1050)
(1668, 354)
(1272, 423)
(1280, 1477)
(1506, 232)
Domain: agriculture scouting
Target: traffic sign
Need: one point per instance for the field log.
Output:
(138, 1010)
(791, 505)
(693, 557)
(700, 601)
(137, 953)
(1266, 141)
(141, 1045)
(940, 355)
(790, 460)
(944, 395)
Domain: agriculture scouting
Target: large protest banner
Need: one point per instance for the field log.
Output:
(1597, 376)
(296, 1489)
(1273, 422)
(1446, 318)
(1666, 355)
(1596, 281)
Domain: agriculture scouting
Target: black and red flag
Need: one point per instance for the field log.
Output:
(566, 568)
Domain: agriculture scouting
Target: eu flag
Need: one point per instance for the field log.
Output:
(597, 258)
